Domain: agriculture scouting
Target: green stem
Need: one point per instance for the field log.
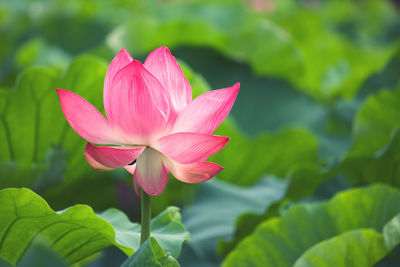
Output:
(145, 216)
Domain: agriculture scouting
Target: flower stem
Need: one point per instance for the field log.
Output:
(145, 216)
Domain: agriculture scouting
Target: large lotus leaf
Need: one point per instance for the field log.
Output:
(32, 119)
(4, 263)
(281, 241)
(302, 184)
(218, 204)
(40, 143)
(375, 123)
(357, 248)
(374, 155)
(38, 52)
(40, 253)
(245, 224)
(361, 247)
(246, 160)
(24, 111)
(166, 228)
(150, 254)
(77, 232)
(304, 180)
(383, 164)
(391, 233)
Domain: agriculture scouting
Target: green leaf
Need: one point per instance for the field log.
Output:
(55, 166)
(167, 228)
(41, 254)
(375, 123)
(304, 180)
(305, 183)
(12, 174)
(77, 232)
(150, 254)
(366, 168)
(245, 225)
(391, 233)
(32, 119)
(374, 155)
(4, 263)
(267, 154)
(38, 52)
(32, 122)
(209, 220)
(357, 248)
(282, 240)
(25, 110)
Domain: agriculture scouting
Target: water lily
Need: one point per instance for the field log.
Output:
(153, 126)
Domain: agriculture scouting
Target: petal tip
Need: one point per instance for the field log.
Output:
(124, 52)
(136, 64)
(225, 141)
(61, 91)
(88, 147)
(163, 49)
(235, 88)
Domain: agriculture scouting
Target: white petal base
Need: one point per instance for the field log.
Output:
(151, 174)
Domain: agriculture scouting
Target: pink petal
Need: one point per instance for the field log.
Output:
(190, 147)
(205, 113)
(164, 67)
(136, 188)
(130, 168)
(197, 172)
(138, 103)
(86, 120)
(95, 164)
(113, 157)
(122, 59)
(151, 174)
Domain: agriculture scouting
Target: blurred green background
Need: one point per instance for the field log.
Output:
(317, 112)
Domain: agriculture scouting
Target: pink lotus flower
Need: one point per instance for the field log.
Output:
(153, 127)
